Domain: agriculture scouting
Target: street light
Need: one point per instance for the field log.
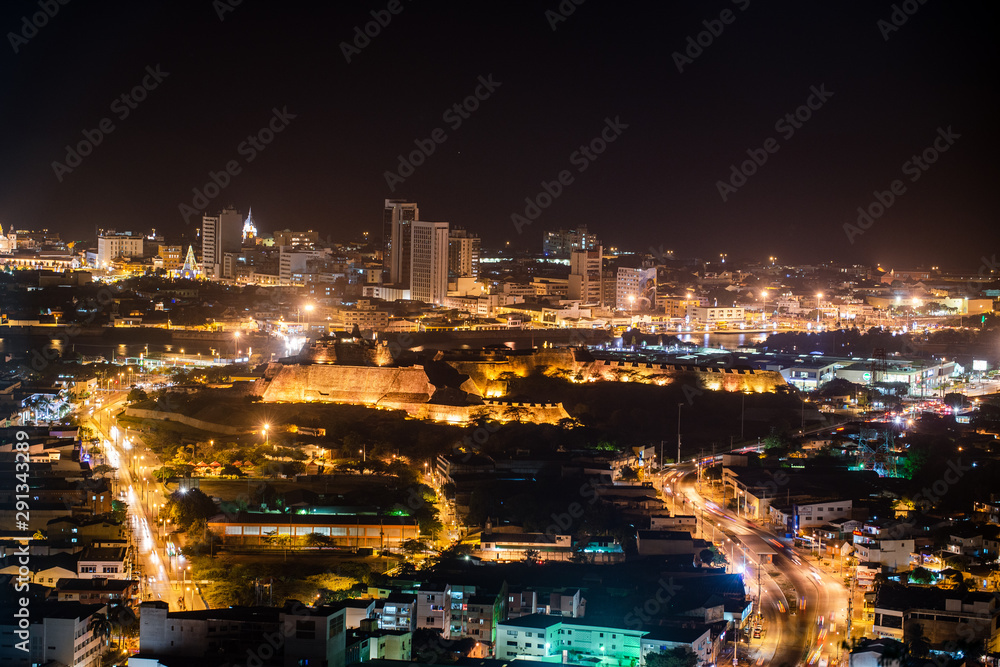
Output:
(266, 440)
(819, 303)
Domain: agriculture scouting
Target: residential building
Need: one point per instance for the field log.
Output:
(102, 562)
(635, 289)
(697, 639)
(171, 257)
(798, 516)
(433, 606)
(59, 633)
(295, 634)
(713, 315)
(111, 246)
(945, 615)
(429, 261)
(399, 612)
(293, 263)
(293, 239)
(547, 638)
(585, 269)
(893, 554)
(463, 253)
(564, 241)
(96, 591)
(397, 217)
(220, 234)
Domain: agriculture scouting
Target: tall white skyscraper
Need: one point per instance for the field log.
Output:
(220, 234)
(428, 261)
(396, 219)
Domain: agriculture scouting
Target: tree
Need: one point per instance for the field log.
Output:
(921, 575)
(628, 474)
(164, 473)
(100, 625)
(102, 469)
(675, 657)
(531, 555)
(414, 547)
(229, 470)
(136, 395)
(189, 505)
(318, 540)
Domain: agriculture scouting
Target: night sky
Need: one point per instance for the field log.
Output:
(655, 184)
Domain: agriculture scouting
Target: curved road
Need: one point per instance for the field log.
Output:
(794, 604)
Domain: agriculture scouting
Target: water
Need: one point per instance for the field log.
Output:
(113, 346)
(728, 340)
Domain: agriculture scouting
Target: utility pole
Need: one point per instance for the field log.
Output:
(679, 406)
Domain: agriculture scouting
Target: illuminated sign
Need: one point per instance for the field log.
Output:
(979, 364)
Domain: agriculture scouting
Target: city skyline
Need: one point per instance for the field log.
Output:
(636, 134)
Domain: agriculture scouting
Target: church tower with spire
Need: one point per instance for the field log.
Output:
(249, 229)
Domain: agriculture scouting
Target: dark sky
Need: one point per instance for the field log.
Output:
(655, 184)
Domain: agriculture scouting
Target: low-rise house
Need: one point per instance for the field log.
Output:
(103, 562)
(96, 591)
(945, 615)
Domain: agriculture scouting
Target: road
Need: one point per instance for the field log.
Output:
(798, 600)
(166, 577)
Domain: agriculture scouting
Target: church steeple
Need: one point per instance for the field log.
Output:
(249, 228)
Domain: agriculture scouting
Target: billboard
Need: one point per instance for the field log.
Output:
(979, 364)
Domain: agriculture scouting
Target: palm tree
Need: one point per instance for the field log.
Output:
(100, 625)
(917, 644)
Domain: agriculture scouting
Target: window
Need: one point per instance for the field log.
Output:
(540, 645)
(527, 634)
(336, 625)
(512, 633)
(514, 644)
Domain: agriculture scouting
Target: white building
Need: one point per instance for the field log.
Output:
(714, 314)
(113, 246)
(429, 261)
(59, 633)
(220, 234)
(292, 263)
